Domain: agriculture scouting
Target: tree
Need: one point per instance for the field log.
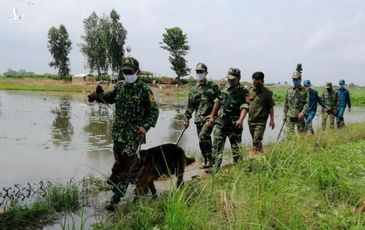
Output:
(94, 47)
(103, 42)
(175, 41)
(117, 36)
(59, 45)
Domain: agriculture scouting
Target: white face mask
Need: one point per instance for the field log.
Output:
(200, 76)
(130, 78)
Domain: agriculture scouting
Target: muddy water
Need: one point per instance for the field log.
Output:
(59, 136)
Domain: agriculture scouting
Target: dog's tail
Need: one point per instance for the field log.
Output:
(189, 160)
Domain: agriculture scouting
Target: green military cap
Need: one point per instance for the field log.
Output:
(201, 66)
(297, 75)
(328, 85)
(233, 73)
(130, 63)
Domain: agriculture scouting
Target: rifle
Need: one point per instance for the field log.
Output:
(179, 138)
(281, 129)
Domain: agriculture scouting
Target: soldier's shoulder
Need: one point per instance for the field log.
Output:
(144, 87)
(267, 89)
(212, 84)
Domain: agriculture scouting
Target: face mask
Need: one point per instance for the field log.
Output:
(296, 83)
(130, 78)
(200, 76)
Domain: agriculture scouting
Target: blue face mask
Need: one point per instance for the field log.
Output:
(296, 83)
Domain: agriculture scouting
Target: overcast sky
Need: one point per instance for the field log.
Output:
(326, 36)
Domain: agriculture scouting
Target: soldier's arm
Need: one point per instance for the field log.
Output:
(271, 104)
(151, 116)
(320, 101)
(189, 108)
(305, 107)
(244, 109)
(214, 113)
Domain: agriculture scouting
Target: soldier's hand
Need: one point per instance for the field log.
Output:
(284, 119)
(239, 124)
(349, 109)
(186, 124)
(211, 121)
(301, 116)
(99, 90)
(92, 97)
(141, 131)
(323, 110)
(272, 124)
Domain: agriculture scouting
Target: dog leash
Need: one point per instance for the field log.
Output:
(181, 134)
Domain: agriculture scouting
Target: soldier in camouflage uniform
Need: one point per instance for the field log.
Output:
(330, 100)
(228, 113)
(295, 105)
(261, 105)
(201, 100)
(135, 113)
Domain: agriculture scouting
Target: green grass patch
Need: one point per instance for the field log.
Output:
(41, 212)
(308, 182)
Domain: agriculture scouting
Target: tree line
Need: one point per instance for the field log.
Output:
(103, 46)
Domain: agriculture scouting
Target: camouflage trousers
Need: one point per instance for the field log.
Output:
(325, 117)
(257, 131)
(205, 141)
(132, 167)
(291, 123)
(220, 134)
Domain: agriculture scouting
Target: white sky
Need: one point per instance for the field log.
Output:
(326, 36)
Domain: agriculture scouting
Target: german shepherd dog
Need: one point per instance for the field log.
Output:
(167, 159)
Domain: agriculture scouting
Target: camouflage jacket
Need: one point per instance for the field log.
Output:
(201, 100)
(296, 101)
(260, 103)
(231, 101)
(330, 99)
(134, 107)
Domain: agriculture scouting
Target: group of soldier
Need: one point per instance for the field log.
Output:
(220, 111)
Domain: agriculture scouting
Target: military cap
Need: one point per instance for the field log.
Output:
(328, 85)
(307, 82)
(341, 82)
(297, 75)
(130, 63)
(258, 76)
(233, 73)
(201, 66)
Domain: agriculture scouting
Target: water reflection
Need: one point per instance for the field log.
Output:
(62, 129)
(175, 128)
(99, 128)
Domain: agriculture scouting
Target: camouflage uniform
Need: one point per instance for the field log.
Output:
(330, 100)
(231, 101)
(296, 102)
(134, 107)
(261, 102)
(201, 100)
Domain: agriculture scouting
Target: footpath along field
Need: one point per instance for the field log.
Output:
(315, 182)
(163, 93)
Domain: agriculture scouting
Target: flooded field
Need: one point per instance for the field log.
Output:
(62, 136)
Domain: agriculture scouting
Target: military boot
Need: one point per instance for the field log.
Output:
(112, 204)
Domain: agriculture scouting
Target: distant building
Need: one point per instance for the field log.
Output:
(83, 78)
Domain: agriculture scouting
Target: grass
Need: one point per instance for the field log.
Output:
(311, 182)
(41, 212)
(357, 95)
(165, 95)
